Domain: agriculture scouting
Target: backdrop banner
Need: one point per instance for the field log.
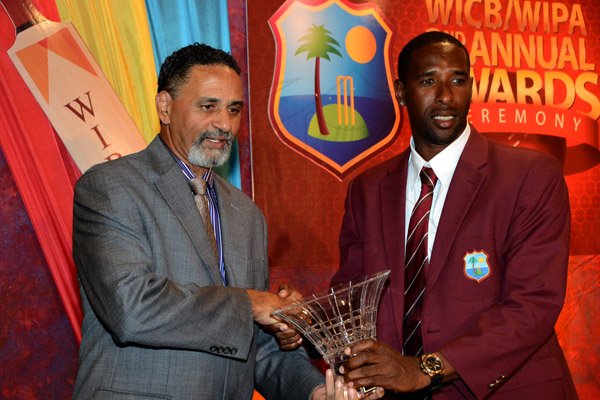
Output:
(321, 74)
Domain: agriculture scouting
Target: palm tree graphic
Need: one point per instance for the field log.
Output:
(318, 43)
(475, 265)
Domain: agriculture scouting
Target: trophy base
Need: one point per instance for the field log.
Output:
(365, 391)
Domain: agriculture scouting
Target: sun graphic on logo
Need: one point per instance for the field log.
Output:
(361, 44)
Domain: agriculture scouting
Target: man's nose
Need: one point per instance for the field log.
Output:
(445, 94)
(222, 121)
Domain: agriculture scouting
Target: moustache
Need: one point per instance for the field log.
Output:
(218, 135)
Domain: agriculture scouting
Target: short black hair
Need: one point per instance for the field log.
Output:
(174, 70)
(422, 40)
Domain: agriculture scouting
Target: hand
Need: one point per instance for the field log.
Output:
(265, 303)
(288, 338)
(377, 364)
(334, 389)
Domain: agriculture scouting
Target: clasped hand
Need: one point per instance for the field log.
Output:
(335, 389)
(377, 364)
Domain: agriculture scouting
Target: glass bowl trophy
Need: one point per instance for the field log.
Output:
(339, 317)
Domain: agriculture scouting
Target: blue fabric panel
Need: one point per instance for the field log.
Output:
(177, 23)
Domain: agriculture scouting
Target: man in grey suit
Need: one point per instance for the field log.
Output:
(175, 307)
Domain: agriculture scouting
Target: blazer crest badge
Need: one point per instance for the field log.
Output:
(332, 96)
(476, 265)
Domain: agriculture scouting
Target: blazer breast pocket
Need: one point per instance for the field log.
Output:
(472, 271)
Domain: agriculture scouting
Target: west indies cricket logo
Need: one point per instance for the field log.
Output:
(332, 94)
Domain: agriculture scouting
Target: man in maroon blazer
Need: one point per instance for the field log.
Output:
(497, 248)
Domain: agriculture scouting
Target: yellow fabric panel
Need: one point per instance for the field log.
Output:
(118, 35)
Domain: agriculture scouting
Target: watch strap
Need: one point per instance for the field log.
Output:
(436, 383)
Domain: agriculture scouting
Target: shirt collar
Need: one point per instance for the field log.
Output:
(443, 164)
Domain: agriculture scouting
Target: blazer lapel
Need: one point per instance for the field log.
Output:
(231, 230)
(393, 195)
(173, 187)
(466, 182)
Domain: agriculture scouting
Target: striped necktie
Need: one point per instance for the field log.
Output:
(201, 197)
(415, 265)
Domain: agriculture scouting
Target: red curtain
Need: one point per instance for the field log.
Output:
(41, 166)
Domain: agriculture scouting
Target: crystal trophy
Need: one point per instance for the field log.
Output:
(339, 317)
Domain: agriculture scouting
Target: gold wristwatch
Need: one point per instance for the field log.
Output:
(432, 365)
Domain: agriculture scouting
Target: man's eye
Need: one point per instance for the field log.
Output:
(426, 82)
(207, 107)
(234, 110)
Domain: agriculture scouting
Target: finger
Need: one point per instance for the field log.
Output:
(379, 393)
(275, 328)
(290, 345)
(284, 290)
(356, 362)
(352, 394)
(286, 333)
(341, 392)
(329, 384)
(359, 347)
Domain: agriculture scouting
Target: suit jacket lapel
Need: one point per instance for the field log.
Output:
(468, 178)
(393, 195)
(230, 229)
(173, 187)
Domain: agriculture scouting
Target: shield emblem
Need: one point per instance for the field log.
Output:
(332, 96)
(476, 265)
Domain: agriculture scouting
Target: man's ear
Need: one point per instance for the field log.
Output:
(399, 88)
(163, 107)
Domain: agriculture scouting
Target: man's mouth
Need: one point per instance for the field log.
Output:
(216, 140)
(444, 120)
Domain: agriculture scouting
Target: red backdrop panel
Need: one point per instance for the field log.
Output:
(303, 202)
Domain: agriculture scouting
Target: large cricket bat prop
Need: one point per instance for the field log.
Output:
(72, 90)
(53, 64)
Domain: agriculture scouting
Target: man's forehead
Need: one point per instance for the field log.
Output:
(438, 55)
(215, 81)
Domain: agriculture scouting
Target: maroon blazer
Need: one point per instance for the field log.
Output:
(507, 213)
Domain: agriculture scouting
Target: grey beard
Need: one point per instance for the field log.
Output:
(200, 157)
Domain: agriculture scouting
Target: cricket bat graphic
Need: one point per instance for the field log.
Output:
(70, 87)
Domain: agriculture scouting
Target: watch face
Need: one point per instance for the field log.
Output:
(433, 364)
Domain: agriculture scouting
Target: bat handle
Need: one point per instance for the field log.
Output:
(22, 13)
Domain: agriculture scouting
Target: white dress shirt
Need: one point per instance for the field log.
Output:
(443, 165)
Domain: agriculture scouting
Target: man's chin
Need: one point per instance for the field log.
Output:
(205, 161)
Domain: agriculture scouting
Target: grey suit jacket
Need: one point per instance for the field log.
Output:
(158, 323)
